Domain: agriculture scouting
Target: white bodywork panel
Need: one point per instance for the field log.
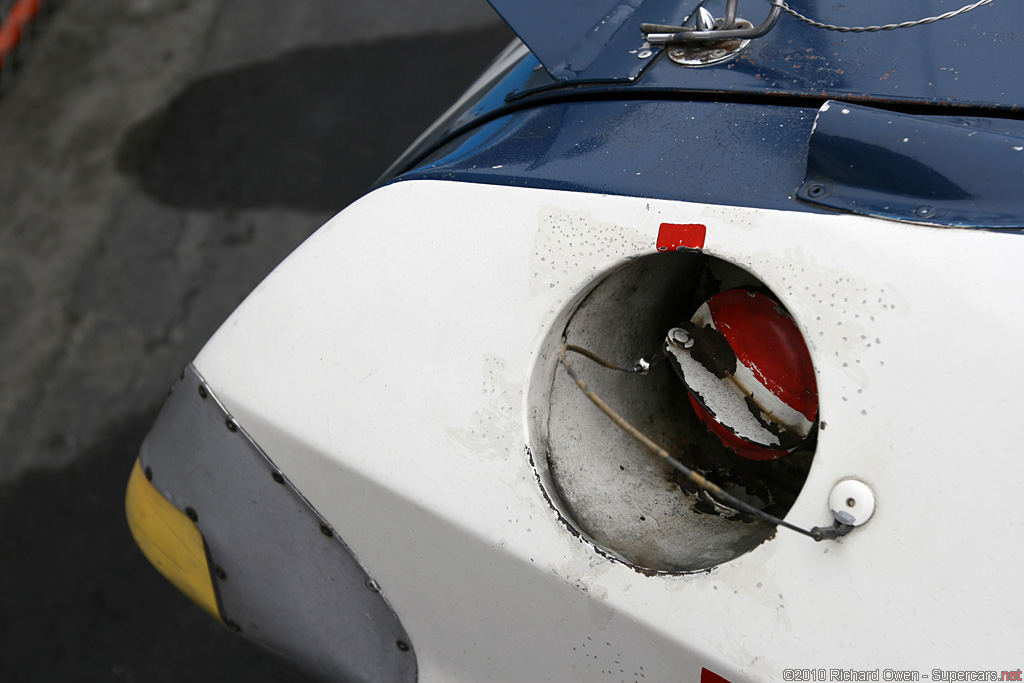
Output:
(385, 368)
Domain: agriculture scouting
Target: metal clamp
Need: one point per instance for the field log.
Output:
(705, 31)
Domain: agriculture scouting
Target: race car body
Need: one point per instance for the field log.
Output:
(799, 250)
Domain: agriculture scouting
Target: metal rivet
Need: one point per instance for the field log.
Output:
(191, 514)
(816, 190)
(202, 391)
(644, 54)
(149, 474)
(220, 573)
(372, 585)
(326, 530)
(232, 427)
(402, 645)
(278, 478)
(925, 211)
(850, 502)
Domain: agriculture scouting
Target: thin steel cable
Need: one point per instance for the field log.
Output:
(596, 358)
(886, 27)
(817, 533)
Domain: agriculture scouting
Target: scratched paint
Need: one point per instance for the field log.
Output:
(753, 385)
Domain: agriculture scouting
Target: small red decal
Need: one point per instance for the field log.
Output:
(673, 237)
(711, 677)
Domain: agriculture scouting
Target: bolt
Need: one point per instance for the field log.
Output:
(402, 645)
(278, 478)
(220, 573)
(925, 211)
(372, 585)
(232, 427)
(191, 514)
(202, 391)
(850, 502)
(644, 54)
(326, 530)
(679, 337)
(719, 52)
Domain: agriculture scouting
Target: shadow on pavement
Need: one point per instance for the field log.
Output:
(302, 131)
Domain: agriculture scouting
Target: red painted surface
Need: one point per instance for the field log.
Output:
(674, 236)
(711, 677)
(767, 341)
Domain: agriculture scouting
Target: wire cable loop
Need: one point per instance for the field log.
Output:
(885, 27)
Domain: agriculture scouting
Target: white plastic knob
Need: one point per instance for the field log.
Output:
(852, 502)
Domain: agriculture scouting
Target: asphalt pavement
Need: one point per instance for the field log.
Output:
(157, 160)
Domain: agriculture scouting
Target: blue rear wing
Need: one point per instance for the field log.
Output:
(969, 61)
(590, 40)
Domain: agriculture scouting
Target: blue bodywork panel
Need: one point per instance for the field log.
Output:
(581, 40)
(970, 60)
(945, 171)
(739, 133)
(964, 172)
(733, 154)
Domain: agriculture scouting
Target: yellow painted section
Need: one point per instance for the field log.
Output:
(170, 541)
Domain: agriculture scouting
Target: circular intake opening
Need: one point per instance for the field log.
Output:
(609, 488)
